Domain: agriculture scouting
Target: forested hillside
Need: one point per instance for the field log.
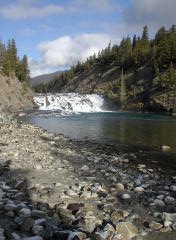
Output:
(138, 73)
(15, 91)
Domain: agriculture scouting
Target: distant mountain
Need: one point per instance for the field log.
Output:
(45, 78)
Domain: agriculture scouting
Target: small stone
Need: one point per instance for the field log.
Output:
(139, 189)
(61, 235)
(127, 230)
(32, 238)
(116, 216)
(25, 212)
(2, 237)
(166, 229)
(120, 187)
(141, 166)
(10, 214)
(40, 221)
(100, 235)
(1, 205)
(75, 206)
(159, 203)
(117, 236)
(38, 214)
(169, 200)
(19, 196)
(76, 235)
(21, 185)
(160, 197)
(10, 207)
(37, 230)
(37, 166)
(126, 196)
(155, 225)
(169, 217)
(15, 236)
(165, 147)
(85, 168)
(173, 188)
(65, 215)
(2, 194)
(167, 223)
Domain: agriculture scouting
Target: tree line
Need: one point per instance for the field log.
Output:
(10, 63)
(158, 53)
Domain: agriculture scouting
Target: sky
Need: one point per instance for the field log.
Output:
(55, 34)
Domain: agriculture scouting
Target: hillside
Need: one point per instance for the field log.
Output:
(137, 74)
(14, 95)
(15, 90)
(144, 91)
(45, 78)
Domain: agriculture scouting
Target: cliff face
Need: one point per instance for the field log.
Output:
(144, 91)
(14, 96)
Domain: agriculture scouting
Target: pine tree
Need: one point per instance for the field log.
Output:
(134, 42)
(23, 70)
(13, 56)
(145, 36)
(122, 91)
(171, 75)
(2, 53)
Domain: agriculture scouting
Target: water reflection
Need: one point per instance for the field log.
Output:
(126, 128)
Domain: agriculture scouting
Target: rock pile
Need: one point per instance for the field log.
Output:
(54, 188)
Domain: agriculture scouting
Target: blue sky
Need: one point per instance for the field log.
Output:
(55, 34)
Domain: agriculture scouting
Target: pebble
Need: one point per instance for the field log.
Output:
(155, 225)
(159, 203)
(169, 200)
(126, 196)
(25, 212)
(120, 187)
(139, 189)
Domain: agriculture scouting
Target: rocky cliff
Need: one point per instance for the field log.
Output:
(14, 95)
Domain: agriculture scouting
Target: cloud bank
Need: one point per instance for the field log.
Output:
(24, 9)
(154, 13)
(64, 51)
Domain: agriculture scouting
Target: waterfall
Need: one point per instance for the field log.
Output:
(70, 102)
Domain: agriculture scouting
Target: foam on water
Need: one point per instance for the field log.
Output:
(68, 103)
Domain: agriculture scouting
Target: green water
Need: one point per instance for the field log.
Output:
(121, 127)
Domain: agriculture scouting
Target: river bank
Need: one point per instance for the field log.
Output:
(55, 188)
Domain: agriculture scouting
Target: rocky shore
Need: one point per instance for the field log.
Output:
(55, 188)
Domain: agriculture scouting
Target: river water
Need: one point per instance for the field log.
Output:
(88, 116)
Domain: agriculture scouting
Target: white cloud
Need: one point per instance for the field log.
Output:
(23, 9)
(65, 51)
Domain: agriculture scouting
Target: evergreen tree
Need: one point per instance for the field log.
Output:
(122, 90)
(171, 75)
(23, 70)
(145, 36)
(2, 53)
(134, 42)
(14, 60)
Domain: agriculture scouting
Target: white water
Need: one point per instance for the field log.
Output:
(68, 103)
